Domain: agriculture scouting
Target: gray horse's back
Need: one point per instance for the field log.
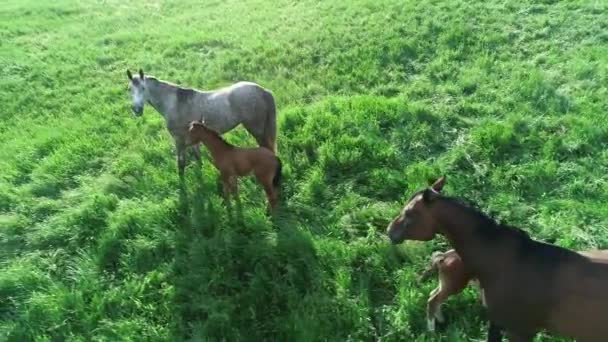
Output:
(254, 106)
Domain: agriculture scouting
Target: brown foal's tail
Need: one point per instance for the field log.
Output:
(276, 180)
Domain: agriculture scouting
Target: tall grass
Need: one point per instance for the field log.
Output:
(100, 241)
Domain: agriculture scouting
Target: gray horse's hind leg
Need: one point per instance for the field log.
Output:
(257, 131)
(180, 151)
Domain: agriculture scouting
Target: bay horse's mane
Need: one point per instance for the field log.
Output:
(486, 226)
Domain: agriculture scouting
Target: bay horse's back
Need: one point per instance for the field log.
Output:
(256, 108)
(582, 309)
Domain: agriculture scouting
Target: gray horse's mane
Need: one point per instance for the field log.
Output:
(170, 84)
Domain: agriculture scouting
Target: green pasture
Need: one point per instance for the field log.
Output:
(99, 240)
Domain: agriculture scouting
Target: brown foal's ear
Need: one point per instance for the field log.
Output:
(438, 185)
(129, 74)
(141, 74)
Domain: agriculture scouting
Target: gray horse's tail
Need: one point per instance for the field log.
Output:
(270, 126)
(276, 180)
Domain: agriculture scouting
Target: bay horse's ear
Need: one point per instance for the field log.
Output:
(129, 74)
(141, 74)
(428, 195)
(438, 185)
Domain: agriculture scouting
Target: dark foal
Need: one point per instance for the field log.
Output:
(453, 279)
(529, 286)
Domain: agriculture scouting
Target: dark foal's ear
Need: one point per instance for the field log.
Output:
(141, 74)
(129, 74)
(438, 185)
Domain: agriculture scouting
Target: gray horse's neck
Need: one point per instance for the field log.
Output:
(155, 95)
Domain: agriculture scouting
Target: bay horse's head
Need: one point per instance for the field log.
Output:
(137, 90)
(416, 221)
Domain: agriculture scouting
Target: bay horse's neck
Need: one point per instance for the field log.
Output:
(461, 225)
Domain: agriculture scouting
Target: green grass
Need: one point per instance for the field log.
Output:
(98, 242)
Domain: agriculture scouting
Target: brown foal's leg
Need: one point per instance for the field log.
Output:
(270, 196)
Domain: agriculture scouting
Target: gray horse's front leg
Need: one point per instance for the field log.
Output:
(180, 151)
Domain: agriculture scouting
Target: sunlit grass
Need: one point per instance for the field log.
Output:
(98, 240)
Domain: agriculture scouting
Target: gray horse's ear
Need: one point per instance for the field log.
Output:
(129, 74)
(141, 74)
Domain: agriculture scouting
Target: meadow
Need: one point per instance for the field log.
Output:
(99, 240)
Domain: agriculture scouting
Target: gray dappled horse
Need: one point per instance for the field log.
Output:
(222, 110)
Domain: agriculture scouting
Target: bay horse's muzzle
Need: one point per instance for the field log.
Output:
(394, 235)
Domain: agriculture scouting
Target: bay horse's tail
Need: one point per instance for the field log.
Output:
(276, 180)
(270, 126)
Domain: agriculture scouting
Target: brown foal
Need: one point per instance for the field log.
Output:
(234, 162)
(528, 286)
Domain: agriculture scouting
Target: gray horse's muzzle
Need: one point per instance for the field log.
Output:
(137, 110)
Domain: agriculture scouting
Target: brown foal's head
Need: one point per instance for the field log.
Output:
(416, 221)
(199, 131)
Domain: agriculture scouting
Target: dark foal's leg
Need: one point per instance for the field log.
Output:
(433, 307)
(494, 332)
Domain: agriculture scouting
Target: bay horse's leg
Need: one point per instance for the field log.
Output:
(494, 332)
(226, 186)
(234, 186)
(520, 337)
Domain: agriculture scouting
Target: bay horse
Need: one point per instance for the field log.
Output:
(233, 162)
(529, 286)
(223, 109)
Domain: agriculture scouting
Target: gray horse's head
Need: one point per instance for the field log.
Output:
(137, 89)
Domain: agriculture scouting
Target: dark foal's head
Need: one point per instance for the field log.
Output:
(416, 221)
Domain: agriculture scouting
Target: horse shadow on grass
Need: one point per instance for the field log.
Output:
(237, 274)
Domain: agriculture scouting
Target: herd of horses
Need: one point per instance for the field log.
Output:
(526, 286)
